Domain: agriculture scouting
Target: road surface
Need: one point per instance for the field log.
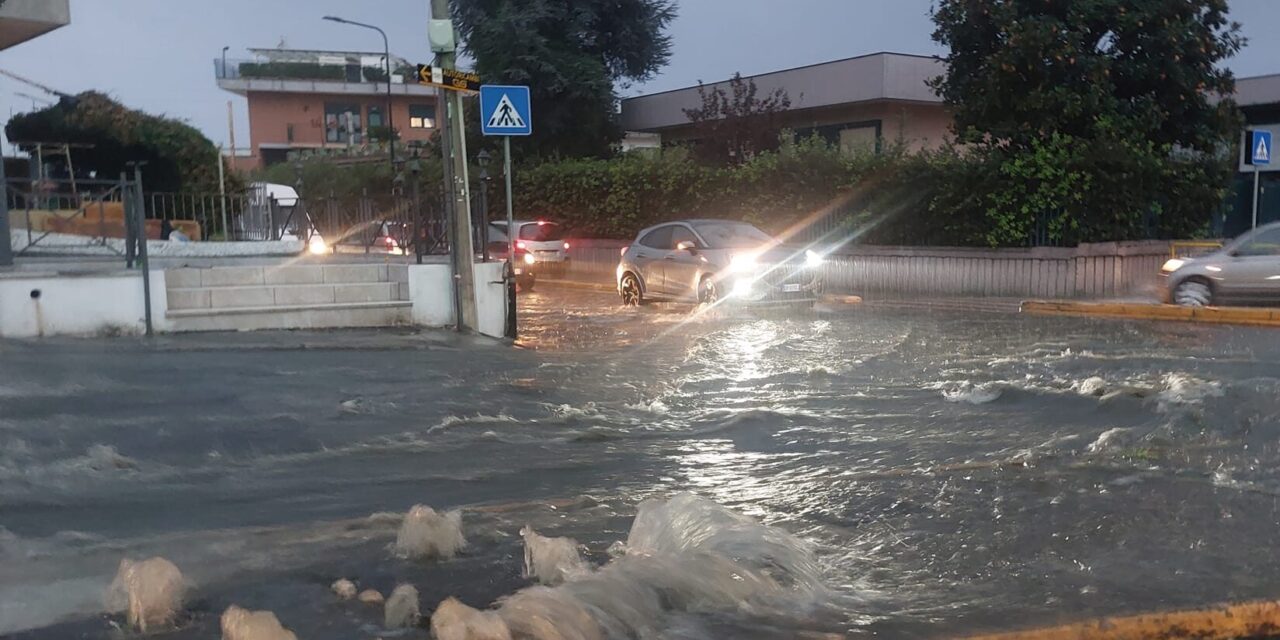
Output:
(949, 472)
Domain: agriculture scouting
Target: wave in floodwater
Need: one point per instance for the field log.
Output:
(685, 554)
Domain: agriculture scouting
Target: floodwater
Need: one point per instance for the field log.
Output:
(918, 474)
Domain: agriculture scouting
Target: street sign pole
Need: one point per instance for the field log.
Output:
(1256, 193)
(512, 322)
(1257, 154)
(506, 111)
(455, 160)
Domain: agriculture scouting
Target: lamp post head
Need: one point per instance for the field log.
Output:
(483, 157)
(224, 49)
(334, 19)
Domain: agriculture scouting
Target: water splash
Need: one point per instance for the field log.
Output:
(150, 590)
(426, 534)
(453, 620)
(974, 394)
(551, 560)
(402, 608)
(344, 589)
(242, 624)
(686, 554)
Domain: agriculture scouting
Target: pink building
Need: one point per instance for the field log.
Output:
(865, 102)
(325, 102)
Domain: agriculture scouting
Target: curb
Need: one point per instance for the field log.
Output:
(1245, 620)
(1141, 311)
(575, 284)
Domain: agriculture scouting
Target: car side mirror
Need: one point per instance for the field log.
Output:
(688, 245)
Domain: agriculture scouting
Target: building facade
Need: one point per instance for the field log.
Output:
(862, 102)
(22, 20)
(325, 102)
(1259, 100)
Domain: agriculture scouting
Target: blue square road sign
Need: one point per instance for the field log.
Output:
(504, 110)
(1260, 147)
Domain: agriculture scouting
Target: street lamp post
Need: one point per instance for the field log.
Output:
(386, 48)
(224, 61)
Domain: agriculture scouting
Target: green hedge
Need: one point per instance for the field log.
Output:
(292, 70)
(947, 196)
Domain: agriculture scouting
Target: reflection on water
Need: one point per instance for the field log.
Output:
(943, 473)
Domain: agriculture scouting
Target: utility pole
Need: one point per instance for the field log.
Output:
(458, 189)
(6, 248)
(231, 133)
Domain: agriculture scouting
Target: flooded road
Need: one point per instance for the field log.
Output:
(945, 473)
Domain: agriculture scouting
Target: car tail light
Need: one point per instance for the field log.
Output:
(566, 246)
(520, 245)
(624, 251)
(391, 242)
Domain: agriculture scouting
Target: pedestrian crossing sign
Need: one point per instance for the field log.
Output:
(1260, 147)
(504, 111)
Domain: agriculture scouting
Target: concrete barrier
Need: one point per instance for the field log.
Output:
(1088, 271)
(1257, 317)
(48, 304)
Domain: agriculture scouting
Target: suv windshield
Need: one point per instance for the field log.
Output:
(541, 232)
(731, 235)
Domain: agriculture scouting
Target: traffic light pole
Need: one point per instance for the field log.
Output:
(458, 191)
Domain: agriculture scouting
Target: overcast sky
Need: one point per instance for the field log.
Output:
(157, 54)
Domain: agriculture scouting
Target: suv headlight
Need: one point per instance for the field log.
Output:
(813, 259)
(742, 263)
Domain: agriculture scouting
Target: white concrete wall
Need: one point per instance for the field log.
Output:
(78, 304)
(431, 291)
(491, 299)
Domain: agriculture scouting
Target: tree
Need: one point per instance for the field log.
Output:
(732, 127)
(178, 156)
(1094, 111)
(573, 56)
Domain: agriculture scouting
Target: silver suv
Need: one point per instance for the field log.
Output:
(709, 260)
(1245, 271)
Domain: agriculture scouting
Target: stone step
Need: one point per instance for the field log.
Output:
(322, 316)
(231, 297)
(211, 277)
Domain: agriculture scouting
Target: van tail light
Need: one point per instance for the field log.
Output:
(566, 246)
(624, 251)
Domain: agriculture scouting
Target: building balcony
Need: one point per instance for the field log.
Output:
(244, 76)
(22, 20)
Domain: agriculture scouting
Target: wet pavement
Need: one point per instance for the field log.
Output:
(947, 472)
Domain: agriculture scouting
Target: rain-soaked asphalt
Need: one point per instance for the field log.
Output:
(947, 473)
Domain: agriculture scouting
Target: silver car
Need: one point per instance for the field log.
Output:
(1245, 271)
(709, 260)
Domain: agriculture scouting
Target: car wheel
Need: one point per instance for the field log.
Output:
(708, 293)
(629, 289)
(1193, 292)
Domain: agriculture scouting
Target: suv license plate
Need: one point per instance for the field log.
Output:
(790, 288)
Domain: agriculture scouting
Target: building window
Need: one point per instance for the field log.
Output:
(340, 119)
(375, 116)
(288, 132)
(422, 116)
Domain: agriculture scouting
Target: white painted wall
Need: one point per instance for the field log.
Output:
(491, 299)
(72, 304)
(431, 291)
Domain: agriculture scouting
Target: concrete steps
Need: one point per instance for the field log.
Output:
(287, 297)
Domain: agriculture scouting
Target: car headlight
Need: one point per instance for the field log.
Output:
(742, 263)
(1172, 265)
(317, 246)
(813, 259)
(529, 259)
